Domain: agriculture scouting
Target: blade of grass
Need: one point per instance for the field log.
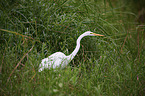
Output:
(19, 63)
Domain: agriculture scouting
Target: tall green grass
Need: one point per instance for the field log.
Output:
(32, 30)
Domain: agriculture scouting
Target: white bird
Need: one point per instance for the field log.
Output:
(59, 59)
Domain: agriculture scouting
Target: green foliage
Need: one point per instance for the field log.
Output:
(104, 66)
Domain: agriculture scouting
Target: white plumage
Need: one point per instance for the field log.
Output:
(59, 59)
(55, 60)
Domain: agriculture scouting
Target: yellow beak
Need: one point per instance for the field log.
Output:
(97, 34)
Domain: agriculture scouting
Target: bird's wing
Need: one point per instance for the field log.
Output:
(55, 60)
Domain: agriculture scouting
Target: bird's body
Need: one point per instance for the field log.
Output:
(59, 59)
(55, 60)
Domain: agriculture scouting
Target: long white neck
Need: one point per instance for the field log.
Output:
(72, 55)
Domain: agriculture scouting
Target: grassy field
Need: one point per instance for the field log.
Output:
(30, 30)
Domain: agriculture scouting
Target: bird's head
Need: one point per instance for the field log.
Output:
(89, 33)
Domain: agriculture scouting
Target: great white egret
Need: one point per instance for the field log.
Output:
(59, 59)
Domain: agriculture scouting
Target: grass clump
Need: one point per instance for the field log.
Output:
(32, 30)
